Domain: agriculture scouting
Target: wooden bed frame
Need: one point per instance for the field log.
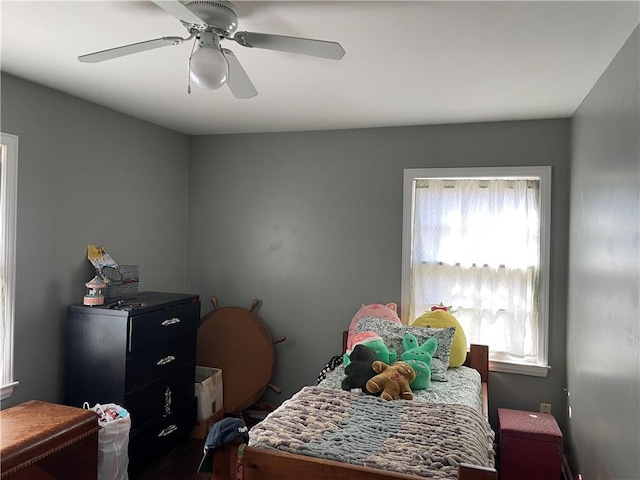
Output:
(237, 462)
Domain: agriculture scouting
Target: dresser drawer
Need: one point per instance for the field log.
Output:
(160, 326)
(151, 442)
(155, 399)
(153, 364)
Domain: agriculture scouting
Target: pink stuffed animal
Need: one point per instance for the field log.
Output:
(377, 310)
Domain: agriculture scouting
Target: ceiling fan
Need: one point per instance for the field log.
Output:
(210, 65)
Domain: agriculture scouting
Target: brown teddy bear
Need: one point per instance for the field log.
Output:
(392, 380)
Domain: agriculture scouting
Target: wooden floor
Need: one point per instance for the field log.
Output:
(179, 464)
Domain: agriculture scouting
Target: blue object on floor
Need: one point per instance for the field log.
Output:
(221, 433)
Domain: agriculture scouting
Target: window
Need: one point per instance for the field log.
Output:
(477, 239)
(8, 202)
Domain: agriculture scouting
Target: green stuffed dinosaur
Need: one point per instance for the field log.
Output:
(419, 357)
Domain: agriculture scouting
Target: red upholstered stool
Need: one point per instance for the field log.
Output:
(530, 446)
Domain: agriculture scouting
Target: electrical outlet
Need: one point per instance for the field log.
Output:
(545, 408)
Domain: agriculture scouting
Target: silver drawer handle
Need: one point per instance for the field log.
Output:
(170, 321)
(165, 360)
(168, 431)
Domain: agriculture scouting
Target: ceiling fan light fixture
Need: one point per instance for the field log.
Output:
(209, 68)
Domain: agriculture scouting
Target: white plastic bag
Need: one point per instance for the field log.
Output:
(113, 441)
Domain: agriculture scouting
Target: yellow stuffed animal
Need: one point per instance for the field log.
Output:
(439, 317)
(392, 380)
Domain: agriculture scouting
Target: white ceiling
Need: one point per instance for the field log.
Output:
(407, 63)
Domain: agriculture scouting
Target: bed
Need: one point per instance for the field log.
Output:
(324, 432)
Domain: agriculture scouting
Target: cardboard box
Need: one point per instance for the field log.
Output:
(201, 430)
(208, 391)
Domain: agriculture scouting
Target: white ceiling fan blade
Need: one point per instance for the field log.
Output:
(281, 43)
(178, 10)
(238, 81)
(129, 49)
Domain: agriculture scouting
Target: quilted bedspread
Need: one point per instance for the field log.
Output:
(429, 440)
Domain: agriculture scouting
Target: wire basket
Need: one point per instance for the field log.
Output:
(127, 288)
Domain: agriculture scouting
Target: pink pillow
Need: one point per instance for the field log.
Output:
(376, 310)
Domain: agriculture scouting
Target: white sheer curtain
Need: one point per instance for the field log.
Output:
(475, 247)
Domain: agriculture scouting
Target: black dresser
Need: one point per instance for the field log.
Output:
(141, 355)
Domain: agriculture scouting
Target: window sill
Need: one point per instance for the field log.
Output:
(7, 390)
(535, 370)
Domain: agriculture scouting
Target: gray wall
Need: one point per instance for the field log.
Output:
(311, 223)
(87, 175)
(603, 351)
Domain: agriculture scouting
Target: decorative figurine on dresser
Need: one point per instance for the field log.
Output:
(139, 353)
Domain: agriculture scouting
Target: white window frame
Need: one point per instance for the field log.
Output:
(497, 362)
(8, 204)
